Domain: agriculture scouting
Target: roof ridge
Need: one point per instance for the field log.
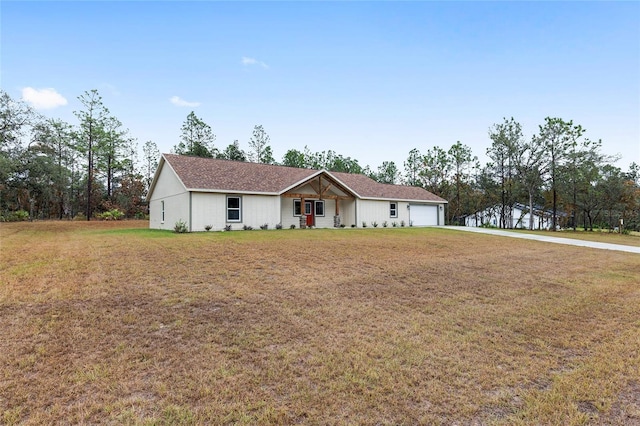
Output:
(238, 161)
(219, 174)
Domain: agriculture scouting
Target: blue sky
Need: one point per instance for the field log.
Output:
(369, 80)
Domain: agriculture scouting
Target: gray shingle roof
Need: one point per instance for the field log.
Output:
(224, 175)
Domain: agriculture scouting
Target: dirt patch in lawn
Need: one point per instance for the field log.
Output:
(114, 323)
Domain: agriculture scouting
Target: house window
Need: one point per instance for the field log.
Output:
(320, 208)
(393, 209)
(296, 207)
(162, 205)
(307, 208)
(234, 209)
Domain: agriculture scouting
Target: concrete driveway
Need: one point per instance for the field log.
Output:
(556, 240)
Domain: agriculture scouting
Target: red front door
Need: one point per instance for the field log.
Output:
(308, 210)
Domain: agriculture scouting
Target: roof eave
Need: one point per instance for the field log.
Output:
(156, 176)
(155, 179)
(232, 191)
(300, 182)
(409, 200)
(318, 173)
(342, 183)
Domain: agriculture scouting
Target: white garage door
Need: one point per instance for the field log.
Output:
(421, 215)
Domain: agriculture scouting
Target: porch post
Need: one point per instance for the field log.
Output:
(336, 218)
(303, 216)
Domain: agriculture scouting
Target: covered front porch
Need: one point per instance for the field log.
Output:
(319, 202)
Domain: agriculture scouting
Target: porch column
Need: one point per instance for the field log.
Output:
(303, 216)
(336, 217)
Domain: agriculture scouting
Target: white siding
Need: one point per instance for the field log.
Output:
(348, 212)
(326, 221)
(208, 209)
(260, 209)
(368, 211)
(305, 189)
(403, 214)
(380, 211)
(441, 214)
(286, 213)
(169, 189)
(211, 209)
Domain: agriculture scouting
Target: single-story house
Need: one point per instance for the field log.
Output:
(515, 217)
(220, 193)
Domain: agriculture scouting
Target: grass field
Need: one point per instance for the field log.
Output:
(597, 236)
(108, 322)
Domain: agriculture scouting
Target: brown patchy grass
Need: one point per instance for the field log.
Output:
(632, 239)
(114, 323)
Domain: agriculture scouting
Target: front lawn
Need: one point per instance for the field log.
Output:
(107, 322)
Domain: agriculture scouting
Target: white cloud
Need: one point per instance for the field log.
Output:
(252, 61)
(43, 98)
(176, 100)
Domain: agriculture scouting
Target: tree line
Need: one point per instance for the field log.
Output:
(53, 169)
(557, 170)
(198, 139)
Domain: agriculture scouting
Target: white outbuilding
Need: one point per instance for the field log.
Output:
(516, 216)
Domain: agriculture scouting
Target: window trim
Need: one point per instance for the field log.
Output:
(312, 203)
(228, 209)
(393, 212)
(162, 209)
